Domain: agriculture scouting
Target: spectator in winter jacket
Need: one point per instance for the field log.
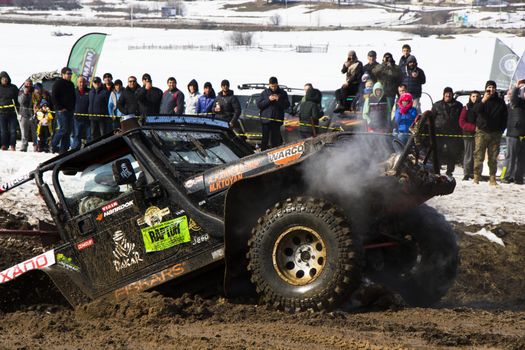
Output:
(113, 111)
(149, 97)
(27, 122)
(272, 104)
(369, 67)
(353, 68)
(81, 123)
(45, 127)
(205, 103)
(193, 97)
(172, 101)
(467, 122)
(376, 110)
(389, 75)
(406, 51)
(100, 123)
(8, 121)
(404, 116)
(446, 112)
(128, 103)
(227, 106)
(64, 97)
(413, 78)
(108, 82)
(516, 135)
(310, 112)
(491, 121)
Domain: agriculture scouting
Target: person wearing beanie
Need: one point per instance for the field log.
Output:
(45, 126)
(446, 113)
(491, 121)
(414, 78)
(404, 117)
(227, 106)
(376, 110)
(467, 122)
(193, 97)
(100, 125)
(149, 97)
(515, 135)
(272, 103)
(172, 101)
(206, 100)
(353, 68)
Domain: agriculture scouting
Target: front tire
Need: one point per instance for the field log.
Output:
(302, 256)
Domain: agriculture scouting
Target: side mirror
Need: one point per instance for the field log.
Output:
(123, 172)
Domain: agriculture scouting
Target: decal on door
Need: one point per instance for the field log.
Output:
(153, 216)
(124, 253)
(166, 234)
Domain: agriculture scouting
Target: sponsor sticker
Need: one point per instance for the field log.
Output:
(286, 154)
(113, 208)
(85, 244)
(124, 252)
(37, 262)
(166, 234)
(66, 263)
(153, 216)
(194, 226)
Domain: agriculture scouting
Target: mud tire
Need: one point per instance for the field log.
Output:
(341, 272)
(423, 283)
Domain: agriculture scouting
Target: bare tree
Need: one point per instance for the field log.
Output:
(241, 38)
(276, 19)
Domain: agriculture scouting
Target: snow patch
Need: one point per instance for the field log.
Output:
(488, 235)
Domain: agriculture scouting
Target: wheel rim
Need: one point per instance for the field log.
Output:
(299, 255)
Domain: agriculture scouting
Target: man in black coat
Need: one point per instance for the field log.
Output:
(81, 120)
(516, 135)
(8, 121)
(227, 106)
(128, 103)
(149, 97)
(63, 96)
(100, 122)
(272, 104)
(446, 112)
(491, 121)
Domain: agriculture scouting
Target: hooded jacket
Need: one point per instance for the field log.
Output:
(516, 122)
(447, 116)
(193, 98)
(405, 115)
(205, 103)
(414, 84)
(376, 110)
(8, 94)
(491, 115)
(310, 111)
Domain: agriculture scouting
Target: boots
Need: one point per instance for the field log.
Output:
(4, 148)
(476, 179)
(492, 180)
(12, 148)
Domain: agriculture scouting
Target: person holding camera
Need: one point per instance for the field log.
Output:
(491, 121)
(516, 135)
(353, 68)
(227, 106)
(389, 75)
(272, 104)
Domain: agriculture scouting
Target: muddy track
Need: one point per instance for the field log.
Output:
(484, 309)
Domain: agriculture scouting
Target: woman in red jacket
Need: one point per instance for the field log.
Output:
(467, 122)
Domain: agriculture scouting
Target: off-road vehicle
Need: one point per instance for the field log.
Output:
(302, 225)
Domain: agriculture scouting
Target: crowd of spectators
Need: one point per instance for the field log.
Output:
(385, 95)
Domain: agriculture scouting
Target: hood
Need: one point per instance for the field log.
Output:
(378, 86)
(411, 58)
(313, 95)
(195, 85)
(4, 74)
(405, 97)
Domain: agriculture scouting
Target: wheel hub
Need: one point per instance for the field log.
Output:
(299, 255)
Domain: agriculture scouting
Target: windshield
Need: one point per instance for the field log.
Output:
(193, 147)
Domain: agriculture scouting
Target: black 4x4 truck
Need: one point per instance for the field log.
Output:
(302, 225)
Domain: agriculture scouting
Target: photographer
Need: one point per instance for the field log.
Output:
(491, 121)
(272, 103)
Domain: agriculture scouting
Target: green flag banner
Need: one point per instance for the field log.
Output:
(84, 56)
(504, 64)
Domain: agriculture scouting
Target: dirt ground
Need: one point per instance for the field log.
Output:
(485, 309)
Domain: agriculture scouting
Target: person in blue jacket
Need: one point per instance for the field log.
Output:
(404, 116)
(205, 102)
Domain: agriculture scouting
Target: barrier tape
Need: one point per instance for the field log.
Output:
(285, 122)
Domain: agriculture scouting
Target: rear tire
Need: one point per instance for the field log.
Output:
(302, 256)
(421, 271)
